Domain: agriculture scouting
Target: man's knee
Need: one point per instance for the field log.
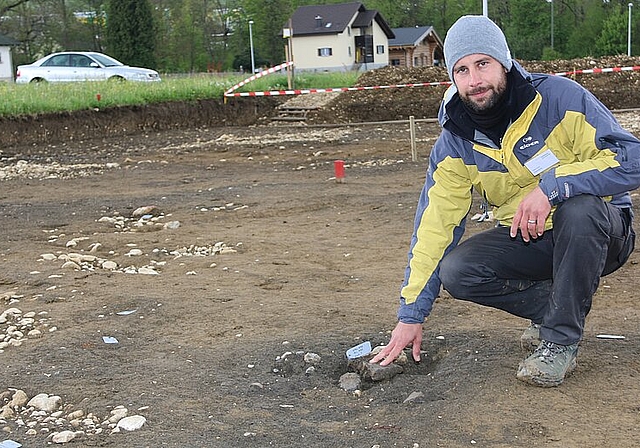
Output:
(451, 273)
(577, 209)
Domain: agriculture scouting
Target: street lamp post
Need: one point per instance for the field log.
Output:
(253, 61)
(629, 32)
(551, 1)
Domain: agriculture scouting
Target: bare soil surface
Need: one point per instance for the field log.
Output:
(250, 256)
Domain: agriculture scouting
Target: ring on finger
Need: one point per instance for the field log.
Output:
(532, 221)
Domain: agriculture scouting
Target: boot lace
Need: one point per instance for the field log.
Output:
(547, 351)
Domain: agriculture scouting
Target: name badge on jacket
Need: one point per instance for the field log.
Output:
(541, 162)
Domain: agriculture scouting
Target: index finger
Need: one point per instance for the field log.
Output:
(387, 355)
(381, 355)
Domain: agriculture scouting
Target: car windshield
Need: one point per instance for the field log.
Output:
(106, 60)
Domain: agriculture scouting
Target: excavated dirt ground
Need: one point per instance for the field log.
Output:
(255, 251)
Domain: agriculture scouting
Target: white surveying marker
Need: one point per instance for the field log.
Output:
(359, 350)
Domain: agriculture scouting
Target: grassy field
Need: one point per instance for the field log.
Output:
(35, 98)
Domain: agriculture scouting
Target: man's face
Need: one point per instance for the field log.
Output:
(481, 81)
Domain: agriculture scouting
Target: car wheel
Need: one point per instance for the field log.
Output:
(116, 79)
(38, 80)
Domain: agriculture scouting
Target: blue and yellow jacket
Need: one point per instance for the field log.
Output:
(595, 156)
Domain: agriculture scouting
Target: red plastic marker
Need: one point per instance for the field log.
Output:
(98, 97)
(338, 167)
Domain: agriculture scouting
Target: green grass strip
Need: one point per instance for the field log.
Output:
(38, 98)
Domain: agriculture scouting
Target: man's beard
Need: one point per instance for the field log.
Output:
(497, 93)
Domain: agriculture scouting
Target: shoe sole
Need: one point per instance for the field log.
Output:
(546, 382)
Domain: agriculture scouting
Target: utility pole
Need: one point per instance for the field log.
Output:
(253, 61)
(629, 32)
(551, 1)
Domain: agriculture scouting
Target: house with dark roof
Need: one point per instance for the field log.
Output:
(344, 36)
(416, 47)
(6, 64)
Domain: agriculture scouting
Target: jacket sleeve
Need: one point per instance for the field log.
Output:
(607, 161)
(444, 203)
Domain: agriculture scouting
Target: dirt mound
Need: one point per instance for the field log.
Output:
(388, 103)
(129, 120)
(618, 90)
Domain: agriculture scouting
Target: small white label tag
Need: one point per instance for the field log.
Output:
(359, 350)
(541, 162)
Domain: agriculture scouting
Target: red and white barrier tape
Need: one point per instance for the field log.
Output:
(599, 70)
(336, 89)
(229, 93)
(258, 75)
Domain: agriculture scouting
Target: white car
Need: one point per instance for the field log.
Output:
(81, 66)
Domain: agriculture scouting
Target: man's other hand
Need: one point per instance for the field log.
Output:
(531, 215)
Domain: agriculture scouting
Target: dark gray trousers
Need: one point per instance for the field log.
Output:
(551, 280)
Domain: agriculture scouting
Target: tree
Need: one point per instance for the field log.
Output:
(395, 12)
(130, 32)
(6, 6)
(36, 24)
(585, 28)
(187, 47)
(527, 28)
(613, 38)
(216, 31)
(199, 35)
(269, 16)
(193, 35)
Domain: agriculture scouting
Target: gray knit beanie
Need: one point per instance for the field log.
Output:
(475, 34)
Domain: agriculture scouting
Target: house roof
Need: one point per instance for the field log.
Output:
(334, 19)
(412, 36)
(6, 41)
(365, 18)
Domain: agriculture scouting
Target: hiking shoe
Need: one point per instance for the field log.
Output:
(548, 364)
(530, 338)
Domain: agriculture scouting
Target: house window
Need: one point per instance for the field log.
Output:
(395, 62)
(325, 51)
(380, 49)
